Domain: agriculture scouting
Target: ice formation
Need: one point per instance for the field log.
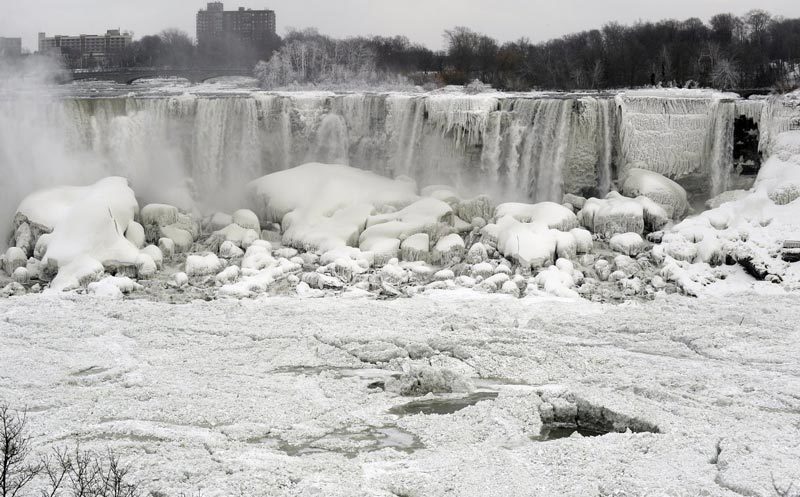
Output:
(402, 217)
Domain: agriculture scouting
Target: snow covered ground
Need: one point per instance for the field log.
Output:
(291, 396)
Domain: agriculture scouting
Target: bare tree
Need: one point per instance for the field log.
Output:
(725, 75)
(15, 473)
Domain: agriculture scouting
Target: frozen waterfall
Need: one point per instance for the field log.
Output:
(531, 147)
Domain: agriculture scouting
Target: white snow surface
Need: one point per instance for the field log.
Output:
(271, 397)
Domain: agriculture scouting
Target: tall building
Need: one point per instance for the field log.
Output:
(215, 24)
(88, 47)
(10, 47)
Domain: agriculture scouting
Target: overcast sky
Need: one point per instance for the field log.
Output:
(420, 20)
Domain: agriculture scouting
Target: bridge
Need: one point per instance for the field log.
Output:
(130, 75)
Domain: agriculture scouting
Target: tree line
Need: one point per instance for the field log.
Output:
(756, 50)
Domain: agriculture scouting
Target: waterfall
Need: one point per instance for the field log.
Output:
(331, 144)
(526, 147)
(720, 145)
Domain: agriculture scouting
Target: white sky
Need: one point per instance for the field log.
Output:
(420, 20)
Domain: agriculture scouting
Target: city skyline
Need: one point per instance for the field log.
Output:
(509, 20)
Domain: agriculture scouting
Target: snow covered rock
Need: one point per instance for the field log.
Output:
(550, 214)
(23, 238)
(247, 219)
(113, 287)
(181, 239)
(384, 231)
(480, 207)
(779, 180)
(167, 247)
(156, 216)
(612, 215)
(228, 275)
(146, 267)
(557, 280)
(630, 244)
(229, 250)
(14, 258)
(78, 273)
(238, 235)
(135, 234)
(21, 275)
(575, 201)
(416, 248)
(448, 249)
(583, 240)
(529, 244)
(660, 189)
(477, 254)
(202, 265)
(180, 279)
(88, 223)
(325, 206)
(155, 254)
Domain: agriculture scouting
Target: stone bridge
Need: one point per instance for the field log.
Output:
(128, 76)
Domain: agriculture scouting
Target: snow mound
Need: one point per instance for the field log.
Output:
(325, 206)
(88, 228)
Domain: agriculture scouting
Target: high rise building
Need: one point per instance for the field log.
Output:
(10, 47)
(93, 47)
(215, 24)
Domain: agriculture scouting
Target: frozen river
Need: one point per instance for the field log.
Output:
(287, 396)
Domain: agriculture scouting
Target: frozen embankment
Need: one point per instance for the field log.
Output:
(295, 397)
